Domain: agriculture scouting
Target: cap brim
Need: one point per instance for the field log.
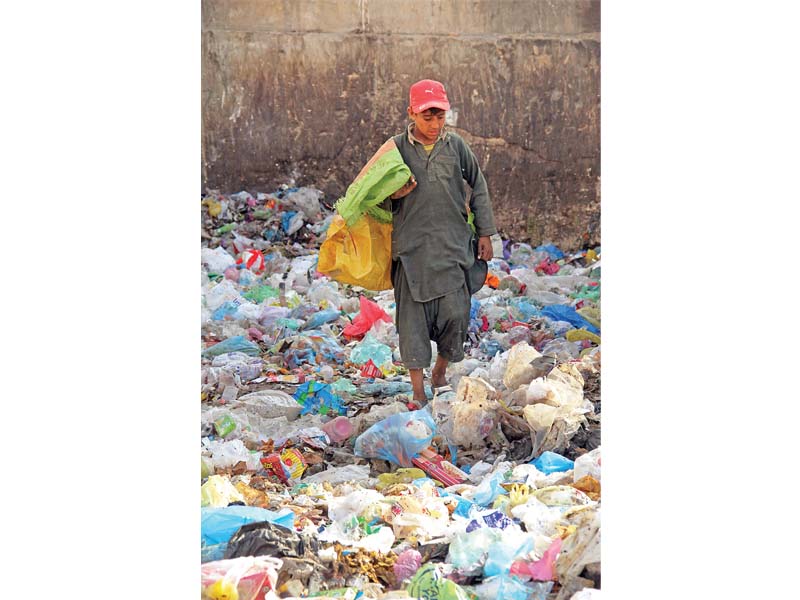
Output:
(432, 104)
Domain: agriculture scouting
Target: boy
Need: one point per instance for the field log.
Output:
(431, 236)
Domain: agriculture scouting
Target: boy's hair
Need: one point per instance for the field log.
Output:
(434, 110)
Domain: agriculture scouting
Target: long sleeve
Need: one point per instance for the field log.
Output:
(480, 203)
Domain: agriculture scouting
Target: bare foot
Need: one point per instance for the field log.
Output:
(417, 403)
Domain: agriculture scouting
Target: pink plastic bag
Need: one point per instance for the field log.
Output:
(370, 313)
(244, 578)
(543, 569)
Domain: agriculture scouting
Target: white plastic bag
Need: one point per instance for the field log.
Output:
(587, 464)
(270, 404)
(325, 292)
(587, 594)
(227, 453)
(336, 475)
(306, 200)
(340, 531)
(216, 260)
(352, 504)
(519, 371)
(474, 414)
(224, 291)
(537, 517)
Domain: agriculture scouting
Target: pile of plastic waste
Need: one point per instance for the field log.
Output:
(320, 477)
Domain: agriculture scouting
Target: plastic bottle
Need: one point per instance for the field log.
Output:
(338, 429)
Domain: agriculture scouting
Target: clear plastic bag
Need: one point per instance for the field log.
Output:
(237, 343)
(224, 291)
(342, 508)
(398, 438)
(473, 414)
(508, 587)
(467, 551)
(305, 199)
(519, 370)
(244, 578)
(325, 293)
(216, 260)
(588, 464)
(270, 404)
(336, 475)
(370, 348)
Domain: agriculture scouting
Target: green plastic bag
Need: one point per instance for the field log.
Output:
(429, 583)
(383, 178)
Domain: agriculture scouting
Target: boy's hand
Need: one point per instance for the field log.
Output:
(405, 190)
(485, 251)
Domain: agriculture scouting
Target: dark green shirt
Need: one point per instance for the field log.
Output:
(430, 234)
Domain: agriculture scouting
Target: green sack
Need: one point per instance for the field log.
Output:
(387, 175)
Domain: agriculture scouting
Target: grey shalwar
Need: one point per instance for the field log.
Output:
(431, 247)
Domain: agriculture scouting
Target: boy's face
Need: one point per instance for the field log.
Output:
(427, 124)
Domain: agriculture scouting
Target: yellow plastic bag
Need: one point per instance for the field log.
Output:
(359, 255)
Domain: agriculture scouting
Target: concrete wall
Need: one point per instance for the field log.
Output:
(313, 87)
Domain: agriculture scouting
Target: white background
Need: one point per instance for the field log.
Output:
(101, 190)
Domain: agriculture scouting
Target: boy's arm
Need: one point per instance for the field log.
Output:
(479, 203)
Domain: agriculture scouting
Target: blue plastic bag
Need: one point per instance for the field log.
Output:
(523, 309)
(320, 318)
(474, 309)
(463, 507)
(397, 438)
(237, 343)
(501, 555)
(227, 309)
(559, 312)
(286, 219)
(489, 489)
(552, 251)
(551, 462)
(217, 525)
(490, 347)
(317, 397)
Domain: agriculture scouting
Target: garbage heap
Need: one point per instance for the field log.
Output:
(319, 476)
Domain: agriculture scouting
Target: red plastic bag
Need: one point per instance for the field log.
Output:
(368, 315)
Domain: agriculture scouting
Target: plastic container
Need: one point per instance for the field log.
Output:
(338, 429)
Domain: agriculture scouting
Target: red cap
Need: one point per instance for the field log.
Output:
(427, 94)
